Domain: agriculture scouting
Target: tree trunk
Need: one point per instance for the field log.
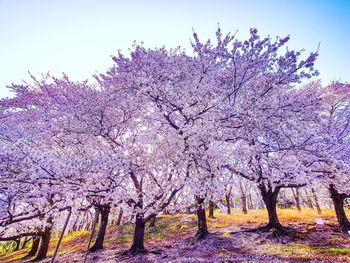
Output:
(307, 199)
(104, 212)
(244, 204)
(243, 198)
(202, 220)
(316, 201)
(139, 234)
(250, 203)
(260, 201)
(228, 203)
(120, 216)
(296, 195)
(45, 240)
(211, 209)
(25, 242)
(18, 242)
(338, 202)
(152, 222)
(61, 235)
(75, 225)
(34, 248)
(270, 199)
(89, 221)
(94, 223)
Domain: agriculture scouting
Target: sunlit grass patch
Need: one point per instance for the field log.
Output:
(303, 251)
(260, 216)
(336, 251)
(14, 256)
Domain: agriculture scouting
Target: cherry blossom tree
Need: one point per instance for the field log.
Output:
(175, 89)
(331, 154)
(268, 120)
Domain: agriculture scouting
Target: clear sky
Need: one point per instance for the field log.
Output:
(78, 37)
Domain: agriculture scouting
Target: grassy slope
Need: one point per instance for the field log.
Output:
(172, 227)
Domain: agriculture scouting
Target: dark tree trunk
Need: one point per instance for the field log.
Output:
(228, 203)
(338, 202)
(34, 248)
(18, 242)
(202, 220)
(316, 201)
(25, 242)
(44, 244)
(152, 221)
(211, 209)
(244, 204)
(120, 216)
(139, 234)
(104, 212)
(296, 195)
(270, 199)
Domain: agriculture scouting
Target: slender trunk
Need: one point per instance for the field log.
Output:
(18, 242)
(270, 199)
(104, 212)
(120, 216)
(89, 220)
(307, 199)
(80, 225)
(45, 240)
(61, 236)
(34, 248)
(296, 195)
(228, 203)
(166, 212)
(211, 209)
(260, 201)
(94, 223)
(243, 198)
(338, 202)
(75, 224)
(152, 222)
(250, 203)
(202, 220)
(25, 242)
(316, 201)
(139, 234)
(244, 204)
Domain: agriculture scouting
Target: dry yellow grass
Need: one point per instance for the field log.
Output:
(286, 216)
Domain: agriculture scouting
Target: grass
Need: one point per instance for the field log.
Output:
(305, 251)
(286, 216)
(173, 227)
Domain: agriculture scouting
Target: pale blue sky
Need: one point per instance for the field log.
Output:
(78, 37)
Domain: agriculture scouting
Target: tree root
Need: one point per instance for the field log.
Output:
(201, 235)
(133, 252)
(94, 249)
(277, 230)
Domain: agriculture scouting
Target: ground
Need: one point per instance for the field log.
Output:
(172, 241)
